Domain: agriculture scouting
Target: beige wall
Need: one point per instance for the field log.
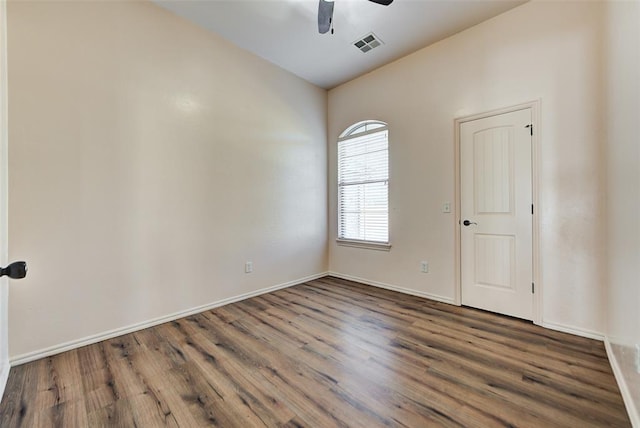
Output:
(622, 152)
(149, 159)
(623, 172)
(542, 50)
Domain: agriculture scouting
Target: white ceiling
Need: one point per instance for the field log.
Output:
(285, 32)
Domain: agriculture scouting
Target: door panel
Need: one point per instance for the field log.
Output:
(493, 170)
(496, 197)
(494, 261)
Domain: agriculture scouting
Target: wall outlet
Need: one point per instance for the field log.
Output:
(446, 207)
(248, 267)
(424, 267)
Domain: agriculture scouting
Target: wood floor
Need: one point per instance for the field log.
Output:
(326, 353)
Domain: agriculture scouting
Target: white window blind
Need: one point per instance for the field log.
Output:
(363, 184)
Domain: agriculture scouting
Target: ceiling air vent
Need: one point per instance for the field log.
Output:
(368, 42)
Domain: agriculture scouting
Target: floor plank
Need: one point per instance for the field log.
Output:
(326, 353)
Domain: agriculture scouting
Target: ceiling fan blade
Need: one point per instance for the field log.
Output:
(325, 15)
(383, 2)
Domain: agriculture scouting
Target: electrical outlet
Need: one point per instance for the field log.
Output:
(248, 267)
(424, 267)
(446, 207)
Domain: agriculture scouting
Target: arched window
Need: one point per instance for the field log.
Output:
(363, 183)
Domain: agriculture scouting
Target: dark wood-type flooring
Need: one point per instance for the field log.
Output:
(325, 353)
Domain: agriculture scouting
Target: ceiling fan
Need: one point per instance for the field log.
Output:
(325, 13)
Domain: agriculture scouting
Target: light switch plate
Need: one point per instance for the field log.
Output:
(446, 207)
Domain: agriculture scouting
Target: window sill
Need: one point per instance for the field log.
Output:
(369, 245)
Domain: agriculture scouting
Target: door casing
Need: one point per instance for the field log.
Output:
(535, 141)
(4, 198)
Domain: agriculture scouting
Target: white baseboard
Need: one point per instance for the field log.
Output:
(63, 347)
(576, 331)
(629, 403)
(590, 334)
(403, 290)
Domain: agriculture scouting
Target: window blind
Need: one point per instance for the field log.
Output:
(363, 187)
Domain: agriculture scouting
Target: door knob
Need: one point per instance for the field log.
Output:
(468, 223)
(16, 270)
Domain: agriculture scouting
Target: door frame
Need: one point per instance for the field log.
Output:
(4, 200)
(535, 143)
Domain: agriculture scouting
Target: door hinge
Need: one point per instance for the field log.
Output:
(533, 288)
(531, 209)
(530, 126)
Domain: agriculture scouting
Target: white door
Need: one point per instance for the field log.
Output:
(496, 214)
(4, 292)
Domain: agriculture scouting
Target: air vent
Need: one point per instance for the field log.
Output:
(368, 42)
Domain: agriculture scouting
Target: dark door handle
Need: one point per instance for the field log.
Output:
(468, 223)
(16, 270)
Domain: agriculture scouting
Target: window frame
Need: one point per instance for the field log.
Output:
(350, 133)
